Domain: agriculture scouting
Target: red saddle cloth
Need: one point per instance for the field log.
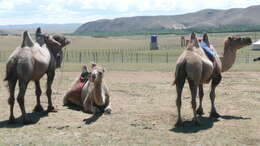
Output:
(75, 92)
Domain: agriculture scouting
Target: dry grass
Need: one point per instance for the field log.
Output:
(144, 113)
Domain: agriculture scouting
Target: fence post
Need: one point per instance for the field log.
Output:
(151, 57)
(108, 56)
(122, 55)
(96, 57)
(80, 57)
(136, 59)
(167, 57)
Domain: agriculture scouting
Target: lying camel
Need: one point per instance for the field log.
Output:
(94, 96)
(29, 62)
(195, 66)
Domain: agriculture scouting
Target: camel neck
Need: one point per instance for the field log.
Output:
(98, 93)
(228, 58)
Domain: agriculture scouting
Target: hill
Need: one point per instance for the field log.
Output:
(48, 28)
(207, 18)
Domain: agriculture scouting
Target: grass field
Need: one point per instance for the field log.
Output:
(143, 113)
(142, 100)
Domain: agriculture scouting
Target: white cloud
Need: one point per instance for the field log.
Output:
(10, 4)
(63, 11)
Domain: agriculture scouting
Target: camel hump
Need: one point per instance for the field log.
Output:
(38, 32)
(193, 40)
(27, 40)
(193, 36)
(206, 39)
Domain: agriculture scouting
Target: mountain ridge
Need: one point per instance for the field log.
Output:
(202, 18)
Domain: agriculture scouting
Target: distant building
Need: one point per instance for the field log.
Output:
(154, 43)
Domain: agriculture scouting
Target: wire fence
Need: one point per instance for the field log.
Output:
(130, 56)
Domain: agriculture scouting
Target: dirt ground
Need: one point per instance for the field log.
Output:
(143, 113)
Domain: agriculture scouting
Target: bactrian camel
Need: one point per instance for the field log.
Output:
(29, 62)
(195, 66)
(94, 94)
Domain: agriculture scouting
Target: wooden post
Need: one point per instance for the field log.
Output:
(167, 57)
(80, 55)
(122, 56)
(136, 55)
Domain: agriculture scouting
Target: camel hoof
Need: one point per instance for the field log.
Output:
(38, 108)
(200, 111)
(11, 120)
(27, 120)
(179, 123)
(51, 109)
(214, 115)
(108, 111)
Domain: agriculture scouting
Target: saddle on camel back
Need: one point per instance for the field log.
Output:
(208, 50)
(75, 92)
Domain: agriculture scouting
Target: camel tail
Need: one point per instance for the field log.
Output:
(179, 72)
(10, 70)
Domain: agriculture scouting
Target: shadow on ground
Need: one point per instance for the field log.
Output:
(89, 120)
(205, 123)
(35, 116)
(93, 118)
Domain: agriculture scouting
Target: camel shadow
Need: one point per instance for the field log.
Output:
(93, 118)
(89, 120)
(190, 127)
(205, 123)
(35, 116)
(228, 117)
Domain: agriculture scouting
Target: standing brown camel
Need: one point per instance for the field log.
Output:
(195, 66)
(30, 62)
(94, 94)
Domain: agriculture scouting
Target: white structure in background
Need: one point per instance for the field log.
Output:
(256, 45)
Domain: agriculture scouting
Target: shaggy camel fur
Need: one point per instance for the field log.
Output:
(94, 94)
(194, 65)
(30, 62)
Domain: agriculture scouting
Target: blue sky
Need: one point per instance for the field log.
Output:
(81, 11)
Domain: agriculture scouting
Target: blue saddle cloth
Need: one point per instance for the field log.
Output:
(209, 52)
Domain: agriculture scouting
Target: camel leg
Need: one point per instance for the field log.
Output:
(65, 99)
(20, 98)
(38, 92)
(179, 87)
(50, 78)
(11, 100)
(201, 94)
(108, 110)
(215, 81)
(193, 89)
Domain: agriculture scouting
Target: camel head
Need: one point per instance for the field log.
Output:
(54, 43)
(237, 42)
(97, 74)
